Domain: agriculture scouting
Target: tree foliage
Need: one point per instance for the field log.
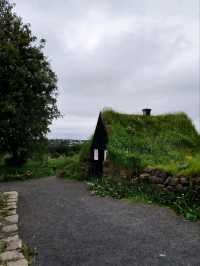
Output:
(58, 147)
(28, 87)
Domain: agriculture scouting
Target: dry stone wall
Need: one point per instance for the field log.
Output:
(165, 181)
(10, 243)
(156, 177)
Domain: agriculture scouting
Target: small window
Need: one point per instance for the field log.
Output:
(96, 155)
(105, 155)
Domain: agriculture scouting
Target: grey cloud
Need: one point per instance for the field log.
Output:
(121, 54)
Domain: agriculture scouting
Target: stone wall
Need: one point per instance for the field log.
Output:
(165, 181)
(157, 177)
(10, 244)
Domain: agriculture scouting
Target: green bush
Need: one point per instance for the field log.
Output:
(32, 169)
(71, 168)
(62, 147)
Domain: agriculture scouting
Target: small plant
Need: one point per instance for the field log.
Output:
(28, 253)
(3, 199)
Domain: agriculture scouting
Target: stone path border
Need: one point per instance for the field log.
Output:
(10, 243)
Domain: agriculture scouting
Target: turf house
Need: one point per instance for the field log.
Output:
(125, 144)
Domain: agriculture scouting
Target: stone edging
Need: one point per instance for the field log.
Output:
(10, 243)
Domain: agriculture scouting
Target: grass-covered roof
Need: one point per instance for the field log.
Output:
(168, 140)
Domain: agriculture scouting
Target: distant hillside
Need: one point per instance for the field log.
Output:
(68, 147)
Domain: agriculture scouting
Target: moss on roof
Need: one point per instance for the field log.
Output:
(152, 140)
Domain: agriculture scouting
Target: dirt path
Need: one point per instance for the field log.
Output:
(68, 226)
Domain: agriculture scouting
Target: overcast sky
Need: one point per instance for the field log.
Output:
(126, 55)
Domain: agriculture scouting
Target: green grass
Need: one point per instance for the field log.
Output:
(189, 166)
(33, 169)
(67, 167)
(71, 168)
(28, 253)
(185, 205)
(165, 141)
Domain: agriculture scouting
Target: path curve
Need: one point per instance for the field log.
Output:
(70, 227)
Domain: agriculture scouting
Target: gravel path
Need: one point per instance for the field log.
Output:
(68, 226)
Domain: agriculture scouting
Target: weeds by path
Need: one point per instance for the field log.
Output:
(184, 204)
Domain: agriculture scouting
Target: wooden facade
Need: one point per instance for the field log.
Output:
(98, 150)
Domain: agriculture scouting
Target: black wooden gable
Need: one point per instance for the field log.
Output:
(100, 138)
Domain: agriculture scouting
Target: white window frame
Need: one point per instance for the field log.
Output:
(105, 155)
(96, 154)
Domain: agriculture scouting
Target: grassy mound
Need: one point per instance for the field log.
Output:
(167, 141)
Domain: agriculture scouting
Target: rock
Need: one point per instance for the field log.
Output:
(167, 180)
(10, 206)
(161, 186)
(11, 194)
(10, 238)
(11, 212)
(155, 172)
(14, 244)
(10, 244)
(197, 188)
(155, 180)
(184, 180)
(12, 219)
(161, 174)
(18, 263)
(172, 181)
(145, 176)
(11, 255)
(170, 188)
(179, 188)
(197, 180)
(11, 201)
(10, 228)
(149, 170)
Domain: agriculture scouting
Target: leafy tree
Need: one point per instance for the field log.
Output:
(28, 87)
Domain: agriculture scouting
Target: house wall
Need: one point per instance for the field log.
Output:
(98, 148)
(116, 171)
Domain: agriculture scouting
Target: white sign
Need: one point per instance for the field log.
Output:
(96, 155)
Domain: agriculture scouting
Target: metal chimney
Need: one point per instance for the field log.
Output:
(146, 112)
